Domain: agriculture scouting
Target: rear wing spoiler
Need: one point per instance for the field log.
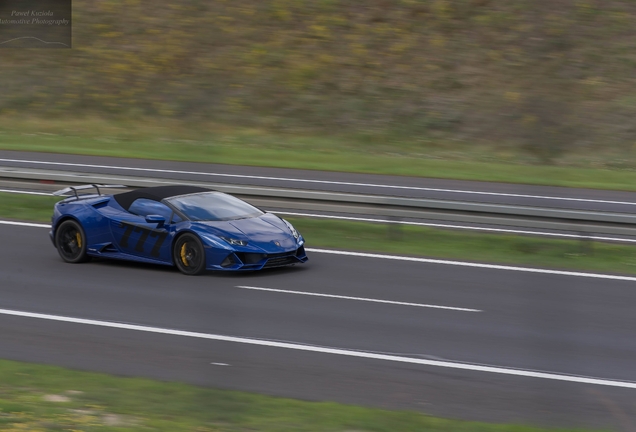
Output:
(74, 189)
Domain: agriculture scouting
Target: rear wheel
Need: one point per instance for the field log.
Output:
(189, 255)
(71, 242)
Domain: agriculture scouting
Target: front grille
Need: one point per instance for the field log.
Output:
(282, 254)
(250, 258)
(280, 261)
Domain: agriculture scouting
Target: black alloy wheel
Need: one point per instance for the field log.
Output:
(189, 255)
(70, 241)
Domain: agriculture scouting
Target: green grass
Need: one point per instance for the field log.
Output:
(417, 241)
(99, 402)
(346, 153)
(27, 207)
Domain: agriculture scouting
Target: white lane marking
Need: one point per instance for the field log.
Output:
(219, 364)
(28, 224)
(358, 299)
(470, 228)
(296, 180)
(326, 350)
(25, 192)
(425, 260)
(470, 264)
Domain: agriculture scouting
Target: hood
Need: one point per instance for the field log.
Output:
(262, 232)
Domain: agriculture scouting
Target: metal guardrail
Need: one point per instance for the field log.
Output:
(584, 222)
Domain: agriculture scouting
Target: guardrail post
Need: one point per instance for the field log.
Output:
(587, 246)
(395, 228)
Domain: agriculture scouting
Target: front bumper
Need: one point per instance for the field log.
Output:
(245, 261)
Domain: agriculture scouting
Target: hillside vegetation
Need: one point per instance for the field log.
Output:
(546, 79)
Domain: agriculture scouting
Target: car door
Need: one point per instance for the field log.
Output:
(137, 237)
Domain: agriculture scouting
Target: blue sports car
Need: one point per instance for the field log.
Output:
(194, 228)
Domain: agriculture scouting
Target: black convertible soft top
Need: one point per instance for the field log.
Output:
(156, 193)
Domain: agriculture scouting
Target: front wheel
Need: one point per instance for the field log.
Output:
(70, 241)
(189, 255)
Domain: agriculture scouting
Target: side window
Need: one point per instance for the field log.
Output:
(144, 207)
(175, 218)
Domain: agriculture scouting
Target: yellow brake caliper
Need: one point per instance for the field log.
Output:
(78, 237)
(184, 259)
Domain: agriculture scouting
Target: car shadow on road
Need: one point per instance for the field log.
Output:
(275, 271)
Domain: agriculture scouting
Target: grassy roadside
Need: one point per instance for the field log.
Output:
(35, 208)
(469, 246)
(42, 398)
(417, 241)
(389, 155)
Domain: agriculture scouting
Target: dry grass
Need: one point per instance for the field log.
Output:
(550, 80)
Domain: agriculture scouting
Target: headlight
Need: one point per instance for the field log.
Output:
(234, 242)
(292, 229)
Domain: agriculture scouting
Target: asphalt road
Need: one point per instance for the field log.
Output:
(532, 322)
(413, 187)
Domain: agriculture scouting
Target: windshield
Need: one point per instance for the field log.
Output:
(213, 206)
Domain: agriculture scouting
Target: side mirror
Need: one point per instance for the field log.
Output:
(158, 219)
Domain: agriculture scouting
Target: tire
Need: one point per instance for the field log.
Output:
(189, 255)
(70, 241)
